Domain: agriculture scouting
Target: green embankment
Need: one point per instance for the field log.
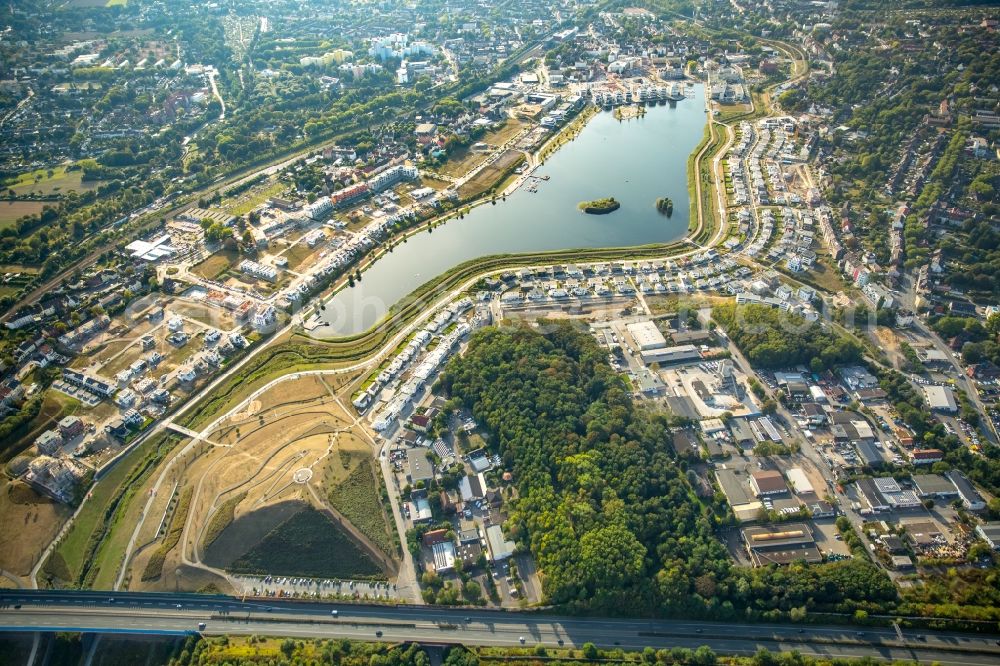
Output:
(154, 567)
(90, 553)
(221, 519)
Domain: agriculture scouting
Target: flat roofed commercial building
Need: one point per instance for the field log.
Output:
(990, 533)
(940, 399)
(676, 354)
(800, 482)
(685, 442)
(742, 433)
(500, 547)
(901, 562)
(934, 485)
(735, 486)
(922, 532)
(646, 336)
(768, 482)
(419, 465)
(781, 544)
(869, 454)
(444, 556)
(971, 499)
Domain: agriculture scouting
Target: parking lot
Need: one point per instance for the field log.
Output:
(317, 588)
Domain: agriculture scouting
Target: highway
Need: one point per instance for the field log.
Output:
(145, 613)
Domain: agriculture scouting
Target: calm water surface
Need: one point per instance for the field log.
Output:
(634, 161)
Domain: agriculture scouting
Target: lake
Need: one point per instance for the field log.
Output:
(635, 161)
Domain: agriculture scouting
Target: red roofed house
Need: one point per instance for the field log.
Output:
(420, 422)
(926, 456)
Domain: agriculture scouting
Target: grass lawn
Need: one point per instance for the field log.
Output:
(19, 268)
(462, 163)
(245, 202)
(41, 183)
(74, 545)
(31, 521)
(12, 211)
(217, 264)
(826, 276)
(427, 181)
(501, 136)
(298, 253)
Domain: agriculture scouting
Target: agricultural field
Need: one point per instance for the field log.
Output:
(310, 544)
(31, 520)
(12, 211)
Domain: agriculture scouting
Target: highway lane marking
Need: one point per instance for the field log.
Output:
(846, 651)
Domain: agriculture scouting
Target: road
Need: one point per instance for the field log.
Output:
(159, 613)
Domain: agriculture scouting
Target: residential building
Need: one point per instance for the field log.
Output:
(71, 426)
(49, 442)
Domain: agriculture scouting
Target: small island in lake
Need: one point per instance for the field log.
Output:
(600, 206)
(665, 205)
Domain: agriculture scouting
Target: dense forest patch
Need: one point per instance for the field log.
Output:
(605, 507)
